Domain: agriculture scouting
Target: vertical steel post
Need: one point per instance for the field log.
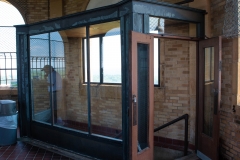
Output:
(88, 80)
(186, 136)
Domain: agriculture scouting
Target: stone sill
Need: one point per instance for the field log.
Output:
(8, 91)
(103, 85)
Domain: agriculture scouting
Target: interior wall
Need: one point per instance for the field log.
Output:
(177, 94)
(106, 101)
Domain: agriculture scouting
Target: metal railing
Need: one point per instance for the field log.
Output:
(185, 117)
(8, 67)
(38, 62)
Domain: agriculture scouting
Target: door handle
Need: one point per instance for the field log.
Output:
(134, 100)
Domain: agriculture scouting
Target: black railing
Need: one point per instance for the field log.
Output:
(38, 62)
(8, 67)
(185, 116)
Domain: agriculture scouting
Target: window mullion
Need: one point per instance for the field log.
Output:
(101, 58)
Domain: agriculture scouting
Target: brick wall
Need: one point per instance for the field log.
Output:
(229, 126)
(73, 6)
(40, 94)
(105, 100)
(177, 94)
(38, 10)
(9, 94)
(172, 100)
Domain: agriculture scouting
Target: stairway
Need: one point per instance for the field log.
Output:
(192, 156)
(170, 154)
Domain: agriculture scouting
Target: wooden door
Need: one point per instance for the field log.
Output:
(142, 98)
(209, 98)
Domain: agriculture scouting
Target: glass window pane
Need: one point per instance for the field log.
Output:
(208, 92)
(156, 61)
(57, 74)
(158, 25)
(8, 56)
(143, 79)
(39, 56)
(94, 59)
(73, 111)
(112, 59)
(106, 100)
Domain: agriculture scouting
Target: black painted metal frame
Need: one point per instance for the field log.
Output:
(134, 16)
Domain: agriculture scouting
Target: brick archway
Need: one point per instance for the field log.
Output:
(20, 5)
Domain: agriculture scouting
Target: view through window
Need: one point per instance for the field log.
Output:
(9, 16)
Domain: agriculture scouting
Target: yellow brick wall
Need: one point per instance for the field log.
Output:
(73, 6)
(38, 10)
(173, 100)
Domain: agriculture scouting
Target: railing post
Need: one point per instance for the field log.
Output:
(186, 135)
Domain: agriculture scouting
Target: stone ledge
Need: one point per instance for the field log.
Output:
(8, 91)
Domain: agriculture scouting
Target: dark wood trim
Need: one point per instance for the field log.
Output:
(175, 37)
(184, 2)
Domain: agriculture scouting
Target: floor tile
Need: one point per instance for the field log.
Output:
(24, 151)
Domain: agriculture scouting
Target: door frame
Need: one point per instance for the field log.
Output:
(197, 40)
(215, 42)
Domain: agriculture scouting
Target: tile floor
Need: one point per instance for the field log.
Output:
(24, 151)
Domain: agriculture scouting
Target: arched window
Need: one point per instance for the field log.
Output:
(9, 16)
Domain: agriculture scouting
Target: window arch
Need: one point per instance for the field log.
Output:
(9, 16)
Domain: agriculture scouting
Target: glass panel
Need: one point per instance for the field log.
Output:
(94, 59)
(156, 61)
(56, 75)
(8, 69)
(158, 25)
(112, 58)
(208, 91)
(72, 112)
(56, 70)
(106, 100)
(143, 105)
(39, 57)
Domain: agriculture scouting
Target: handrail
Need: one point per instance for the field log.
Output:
(185, 116)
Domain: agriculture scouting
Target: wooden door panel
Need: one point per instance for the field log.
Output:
(142, 85)
(209, 88)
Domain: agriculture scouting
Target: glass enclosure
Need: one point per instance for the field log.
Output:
(79, 70)
(62, 68)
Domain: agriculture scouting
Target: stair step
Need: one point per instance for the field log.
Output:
(192, 156)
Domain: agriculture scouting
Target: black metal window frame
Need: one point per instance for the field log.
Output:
(100, 36)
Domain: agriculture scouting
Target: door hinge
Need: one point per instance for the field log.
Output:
(220, 65)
